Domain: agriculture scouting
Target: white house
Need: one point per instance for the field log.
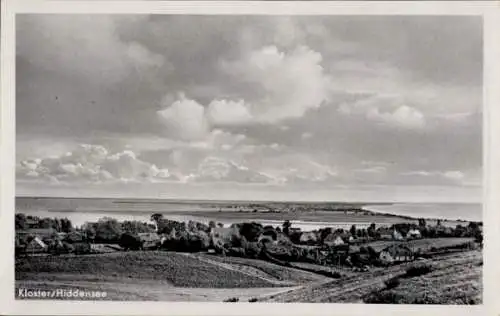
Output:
(36, 245)
(396, 253)
(223, 235)
(308, 237)
(334, 240)
(414, 233)
(397, 235)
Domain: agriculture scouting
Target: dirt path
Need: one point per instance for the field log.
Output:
(250, 271)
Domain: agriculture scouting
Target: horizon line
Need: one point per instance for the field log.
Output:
(172, 199)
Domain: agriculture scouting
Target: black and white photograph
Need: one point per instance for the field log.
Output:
(245, 158)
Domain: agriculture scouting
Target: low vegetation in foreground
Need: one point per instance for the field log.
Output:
(170, 267)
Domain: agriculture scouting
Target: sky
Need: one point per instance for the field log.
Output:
(379, 108)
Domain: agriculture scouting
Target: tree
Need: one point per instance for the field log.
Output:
(20, 221)
(324, 232)
(130, 241)
(286, 227)
(89, 231)
(353, 230)
(45, 223)
(56, 224)
(251, 231)
(157, 218)
(422, 222)
(66, 225)
(212, 224)
(192, 226)
(108, 230)
(135, 227)
(371, 230)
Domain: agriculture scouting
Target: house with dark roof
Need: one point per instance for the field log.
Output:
(36, 245)
(308, 238)
(149, 240)
(220, 236)
(334, 239)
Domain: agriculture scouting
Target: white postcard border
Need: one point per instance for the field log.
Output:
(491, 137)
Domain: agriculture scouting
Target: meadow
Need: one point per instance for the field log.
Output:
(454, 278)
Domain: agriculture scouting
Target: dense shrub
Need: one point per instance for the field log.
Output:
(82, 248)
(130, 241)
(392, 283)
(251, 231)
(253, 300)
(418, 270)
(185, 241)
(236, 252)
(383, 297)
(232, 299)
(253, 249)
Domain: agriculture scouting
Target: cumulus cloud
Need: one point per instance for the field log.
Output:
(454, 175)
(404, 116)
(91, 163)
(185, 119)
(288, 83)
(386, 110)
(226, 112)
(218, 169)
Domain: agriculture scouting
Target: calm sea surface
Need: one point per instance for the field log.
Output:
(80, 211)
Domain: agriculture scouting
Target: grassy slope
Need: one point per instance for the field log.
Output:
(268, 269)
(177, 269)
(354, 288)
(457, 281)
(424, 244)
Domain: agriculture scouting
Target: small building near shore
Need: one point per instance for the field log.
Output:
(396, 235)
(396, 253)
(414, 234)
(220, 236)
(36, 245)
(334, 240)
(308, 238)
(149, 240)
(384, 233)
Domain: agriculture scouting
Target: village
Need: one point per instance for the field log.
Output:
(357, 249)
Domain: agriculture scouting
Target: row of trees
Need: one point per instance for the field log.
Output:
(23, 222)
(109, 230)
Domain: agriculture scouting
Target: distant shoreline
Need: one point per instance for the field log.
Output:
(305, 212)
(190, 201)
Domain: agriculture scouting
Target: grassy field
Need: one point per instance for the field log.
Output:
(151, 276)
(460, 270)
(423, 244)
(168, 267)
(169, 276)
(268, 270)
